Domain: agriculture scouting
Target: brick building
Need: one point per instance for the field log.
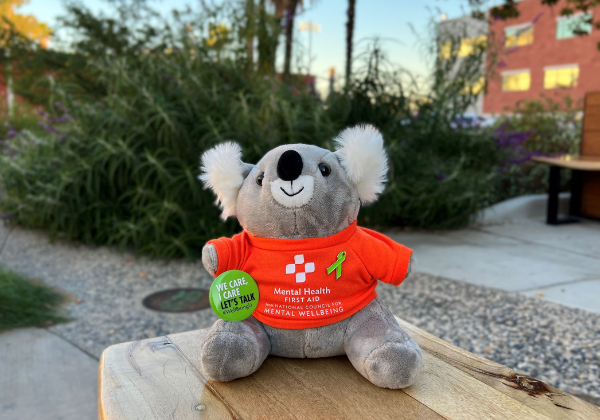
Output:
(540, 54)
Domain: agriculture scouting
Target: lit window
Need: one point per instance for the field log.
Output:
(474, 88)
(561, 76)
(467, 47)
(514, 81)
(518, 36)
(569, 26)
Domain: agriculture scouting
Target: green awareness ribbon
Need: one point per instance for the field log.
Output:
(337, 266)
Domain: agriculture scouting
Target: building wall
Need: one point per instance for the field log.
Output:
(545, 51)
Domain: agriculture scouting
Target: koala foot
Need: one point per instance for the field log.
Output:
(393, 365)
(234, 349)
(380, 350)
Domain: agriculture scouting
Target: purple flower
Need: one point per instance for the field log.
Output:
(12, 133)
(7, 216)
(513, 142)
(61, 107)
(62, 119)
(440, 176)
(49, 128)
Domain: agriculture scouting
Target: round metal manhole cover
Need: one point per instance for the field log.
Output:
(178, 300)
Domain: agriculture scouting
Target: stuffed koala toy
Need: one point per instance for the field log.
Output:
(315, 268)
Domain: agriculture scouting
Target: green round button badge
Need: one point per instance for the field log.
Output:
(234, 295)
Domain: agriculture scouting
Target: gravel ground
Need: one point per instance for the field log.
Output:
(557, 344)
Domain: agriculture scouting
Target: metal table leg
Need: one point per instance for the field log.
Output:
(554, 189)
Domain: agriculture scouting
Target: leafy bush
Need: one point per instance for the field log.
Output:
(121, 167)
(536, 127)
(24, 117)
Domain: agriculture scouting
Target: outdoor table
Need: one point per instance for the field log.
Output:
(585, 191)
(161, 378)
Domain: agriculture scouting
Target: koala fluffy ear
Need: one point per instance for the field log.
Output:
(224, 172)
(361, 154)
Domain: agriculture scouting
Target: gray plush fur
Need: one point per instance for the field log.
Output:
(332, 208)
(372, 339)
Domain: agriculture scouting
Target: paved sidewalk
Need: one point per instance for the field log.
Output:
(45, 377)
(519, 253)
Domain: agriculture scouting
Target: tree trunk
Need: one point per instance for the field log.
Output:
(250, 19)
(289, 35)
(269, 28)
(349, 38)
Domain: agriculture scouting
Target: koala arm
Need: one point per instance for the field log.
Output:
(409, 266)
(210, 259)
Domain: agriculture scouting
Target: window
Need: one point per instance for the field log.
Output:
(467, 46)
(519, 35)
(569, 26)
(561, 76)
(474, 88)
(446, 50)
(516, 80)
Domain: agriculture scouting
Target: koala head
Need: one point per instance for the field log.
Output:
(298, 190)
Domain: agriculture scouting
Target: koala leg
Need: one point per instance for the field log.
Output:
(234, 349)
(380, 350)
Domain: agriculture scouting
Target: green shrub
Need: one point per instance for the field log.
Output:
(122, 169)
(24, 118)
(537, 127)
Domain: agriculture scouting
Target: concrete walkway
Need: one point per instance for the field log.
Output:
(45, 377)
(513, 249)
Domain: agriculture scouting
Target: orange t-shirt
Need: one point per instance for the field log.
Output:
(295, 289)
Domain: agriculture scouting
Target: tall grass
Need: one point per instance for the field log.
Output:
(25, 303)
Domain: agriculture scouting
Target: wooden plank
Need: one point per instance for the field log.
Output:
(457, 395)
(162, 378)
(308, 389)
(582, 163)
(590, 138)
(537, 395)
(590, 143)
(592, 98)
(152, 380)
(590, 195)
(591, 119)
(314, 388)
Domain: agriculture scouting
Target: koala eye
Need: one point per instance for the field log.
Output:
(260, 178)
(325, 169)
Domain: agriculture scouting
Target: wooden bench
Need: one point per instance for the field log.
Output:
(585, 181)
(161, 378)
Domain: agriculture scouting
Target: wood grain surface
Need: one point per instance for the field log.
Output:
(582, 163)
(162, 378)
(590, 136)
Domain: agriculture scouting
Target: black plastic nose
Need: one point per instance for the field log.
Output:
(289, 166)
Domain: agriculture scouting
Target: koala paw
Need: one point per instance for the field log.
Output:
(234, 349)
(394, 365)
(210, 258)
